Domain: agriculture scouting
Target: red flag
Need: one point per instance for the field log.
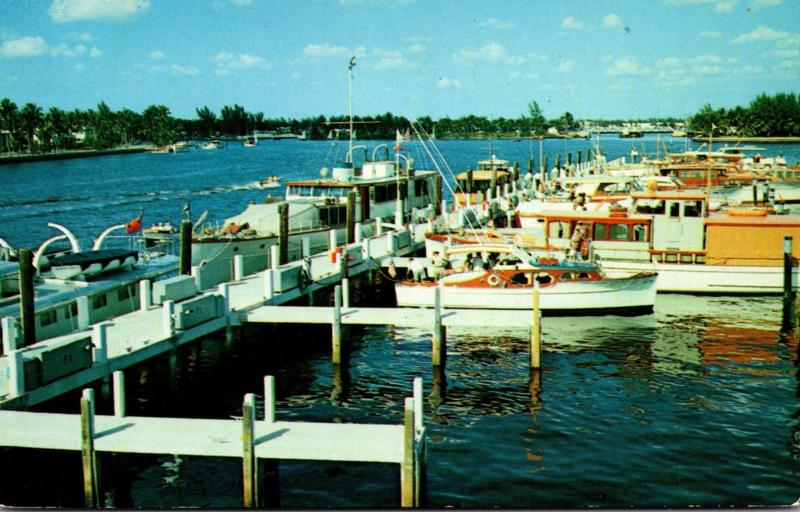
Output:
(135, 225)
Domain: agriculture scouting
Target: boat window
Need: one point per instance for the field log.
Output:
(544, 278)
(559, 229)
(619, 232)
(583, 275)
(519, 278)
(304, 191)
(640, 232)
(73, 309)
(323, 216)
(566, 276)
(47, 317)
(692, 209)
(600, 232)
(99, 301)
(674, 209)
(420, 188)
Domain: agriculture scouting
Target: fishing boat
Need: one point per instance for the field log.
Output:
(251, 142)
(566, 288)
(672, 233)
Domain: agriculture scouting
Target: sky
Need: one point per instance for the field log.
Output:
(606, 59)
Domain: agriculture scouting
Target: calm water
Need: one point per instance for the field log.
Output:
(698, 404)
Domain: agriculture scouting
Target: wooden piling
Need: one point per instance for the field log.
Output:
(437, 192)
(536, 328)
(578, 155)
(336, 326)
(420, 459)
(283, 232)
(407, 466)
(544, 167)
(145, 295)
(787, 268)
(91, 485)
(469, 181)
(185, 261)
(351, 217)
(346, 292)
(530, 166)
(439, 348)
(26, 295)
(269, 399)
(515, 172)
(120, 408)
(249, 477)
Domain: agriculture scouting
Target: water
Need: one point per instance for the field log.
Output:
(697, 404)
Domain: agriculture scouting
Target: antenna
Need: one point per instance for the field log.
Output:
(350, 104)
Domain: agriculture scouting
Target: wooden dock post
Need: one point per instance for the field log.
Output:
(332, 240)
(351, 217)
(536, 328)
(421, 455)
(249, 466)
(145, 295)
(100, 342)
(82, 303)
(283, 232)
(788, 291)
(336, 326)
(359, 235)
(120, 409)
(269, 478)
(238, 267)
(9, 327)
(269, 399)
(274, 256)
(378, 226)
(27, 313)
(168, 318)
(185, 260)
(437, 192)
(16, 373)
(268, 284)
(407, 466)
(346, 292)
(91, 484)
(469, 181)
(439, 348)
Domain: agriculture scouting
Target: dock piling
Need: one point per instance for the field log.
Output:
(83, 312)
(185, 259)
(336, 326)
(351, 217)
(332, 240)
(238, 267)
(249, 476)
(16, 373)
(27, 312)
(91, 487)
(119, 394)
(274, 256)
(359, 235)
(439, 349)
(145, 295)
(269, 399)
(268, 284)
(100, 342)
(9, 327)
(346, 292)
(407, 467)
(283, 232)
(536, 328)
(168, 318)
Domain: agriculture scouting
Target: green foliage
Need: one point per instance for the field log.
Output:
(766, 116)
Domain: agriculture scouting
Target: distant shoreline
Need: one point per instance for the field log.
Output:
(762, 140)
(64, 155)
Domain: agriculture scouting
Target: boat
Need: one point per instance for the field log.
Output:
(214, 144)
(673, 233)
(162, 150)
(565, 288)
(91, 263)
(270, 182)
(473, 185)
(251, 142)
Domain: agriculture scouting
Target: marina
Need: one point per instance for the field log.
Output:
(519, 364)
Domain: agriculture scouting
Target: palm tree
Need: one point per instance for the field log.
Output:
(9, 120)
(208, 120)
(32, 119)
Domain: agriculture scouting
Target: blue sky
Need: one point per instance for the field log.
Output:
(593, 58)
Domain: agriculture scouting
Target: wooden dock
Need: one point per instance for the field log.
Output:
(247, 438)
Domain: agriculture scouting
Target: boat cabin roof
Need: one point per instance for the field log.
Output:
(740, 218)
(675, 195)
(618, 216)
(482, 175)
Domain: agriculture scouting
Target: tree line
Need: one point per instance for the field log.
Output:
(31, 129)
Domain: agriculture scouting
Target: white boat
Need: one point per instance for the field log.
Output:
(214, 144)
(566, 288)
(672, 233)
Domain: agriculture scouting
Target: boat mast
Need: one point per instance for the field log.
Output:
(350, 104)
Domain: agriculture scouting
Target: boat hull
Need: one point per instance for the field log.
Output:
(708, 279)
(631, 295)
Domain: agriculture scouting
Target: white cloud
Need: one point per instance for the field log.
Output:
(530, 75)
(565, 66)
(761, 33)
(541, 57)
(227, 62)
(392, 62)
(500, 25)
(492, 53)
(95, 53)
(62, 11)
(571, 23)
(27, 46)
(612, 21)
(753, 69)
(627, 66)
(241, 2)
(446, 83)
(719, 5)
(709, 34)
(156, 55)
(725, 6)
(706, 69)
(64, 50)
(325, 50)
(80, 66)
(179, 70)
(417, 48)
(668, 62)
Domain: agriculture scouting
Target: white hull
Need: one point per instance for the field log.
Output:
(720, 279)
(577, 298)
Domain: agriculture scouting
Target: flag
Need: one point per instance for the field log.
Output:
(398, 138)
(135, 225)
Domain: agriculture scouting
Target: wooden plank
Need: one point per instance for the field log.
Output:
(206, 437)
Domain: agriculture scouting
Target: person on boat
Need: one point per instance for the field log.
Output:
(416, 270)
(439, 264)
(580, 202)
(575, 240)
(467, 265)
(477, 263)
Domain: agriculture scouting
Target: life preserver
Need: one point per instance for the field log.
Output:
(493, 280)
